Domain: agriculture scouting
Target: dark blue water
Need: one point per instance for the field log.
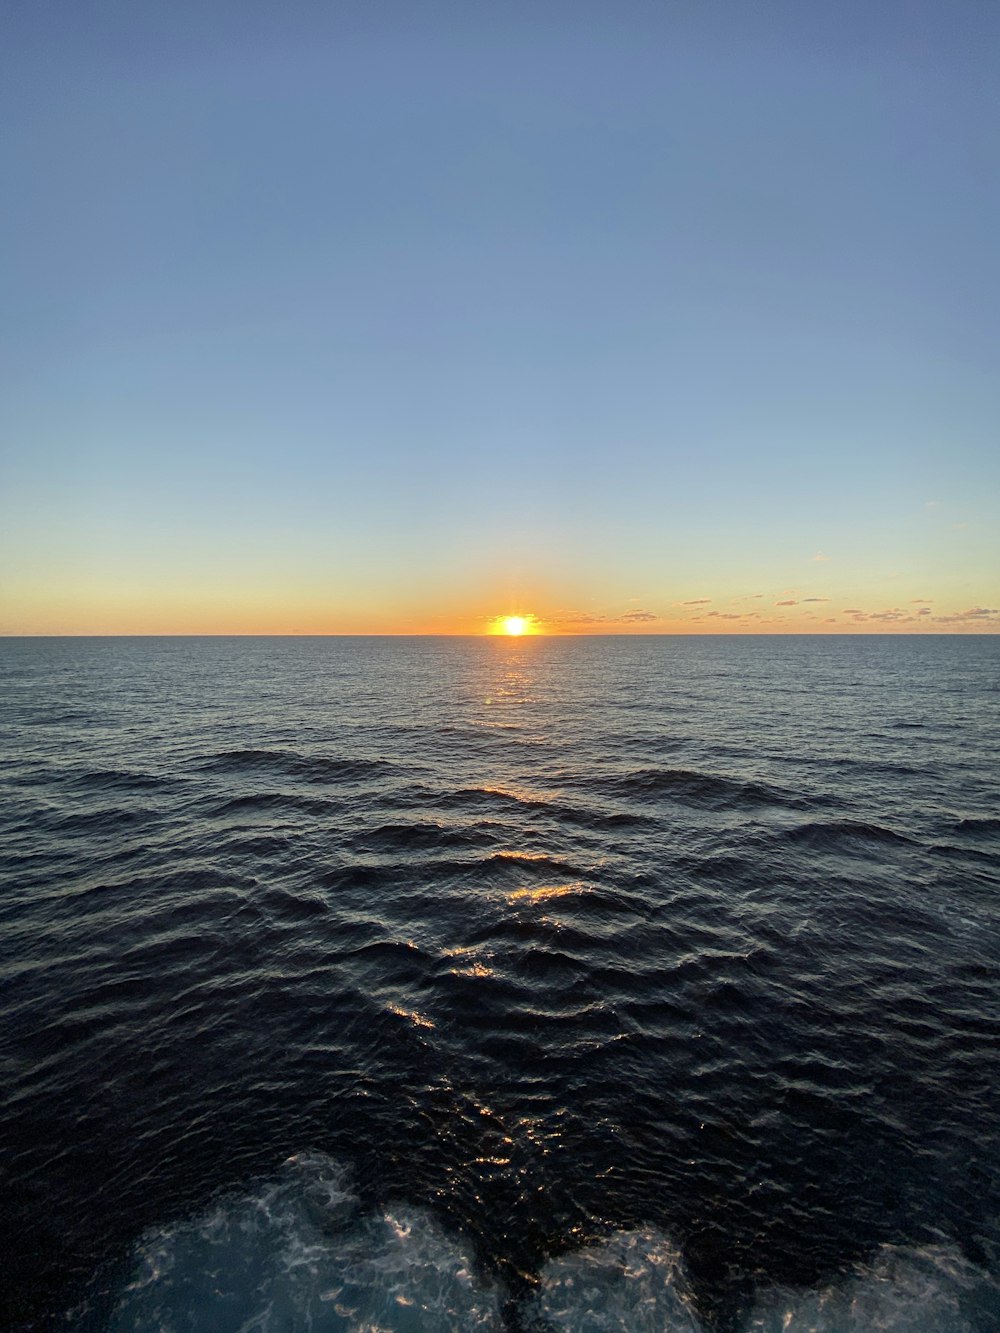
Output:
(554, 984)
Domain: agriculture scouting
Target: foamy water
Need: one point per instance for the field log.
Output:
(300, 1253)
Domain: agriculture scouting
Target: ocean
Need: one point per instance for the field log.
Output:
(638, 983)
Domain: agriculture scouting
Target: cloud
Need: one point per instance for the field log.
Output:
(697, 601)
(830, 620)
(921, 601)
(964, 617)
(786, 603)
(634, 617)
(575, 618)
(815, 599)
(819, 557)
(893, 615)
(924, 611)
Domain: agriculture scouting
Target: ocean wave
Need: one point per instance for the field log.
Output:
(122, 780)
(89, 822)
(550, 804)
(290, 763)
(420, 837)
(492, 796)
(705, 790)
(836, 834)
(270, 801)
(985, 826)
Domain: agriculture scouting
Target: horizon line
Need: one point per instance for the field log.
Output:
(596, 634)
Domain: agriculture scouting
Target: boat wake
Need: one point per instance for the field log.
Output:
(300, 1253)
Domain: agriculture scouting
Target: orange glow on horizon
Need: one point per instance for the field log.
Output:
(133, 606)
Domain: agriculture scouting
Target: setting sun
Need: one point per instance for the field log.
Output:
(514, 626)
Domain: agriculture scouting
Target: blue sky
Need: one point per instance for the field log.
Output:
(385, 316)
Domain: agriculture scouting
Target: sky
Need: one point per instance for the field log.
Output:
(399, 318)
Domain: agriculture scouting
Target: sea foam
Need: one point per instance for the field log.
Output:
(927, 1289)
(298, 1253)
(633, 1280)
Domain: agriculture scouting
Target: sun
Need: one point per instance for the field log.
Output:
(514, 627)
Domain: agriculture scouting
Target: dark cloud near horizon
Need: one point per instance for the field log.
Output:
(973, 613)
